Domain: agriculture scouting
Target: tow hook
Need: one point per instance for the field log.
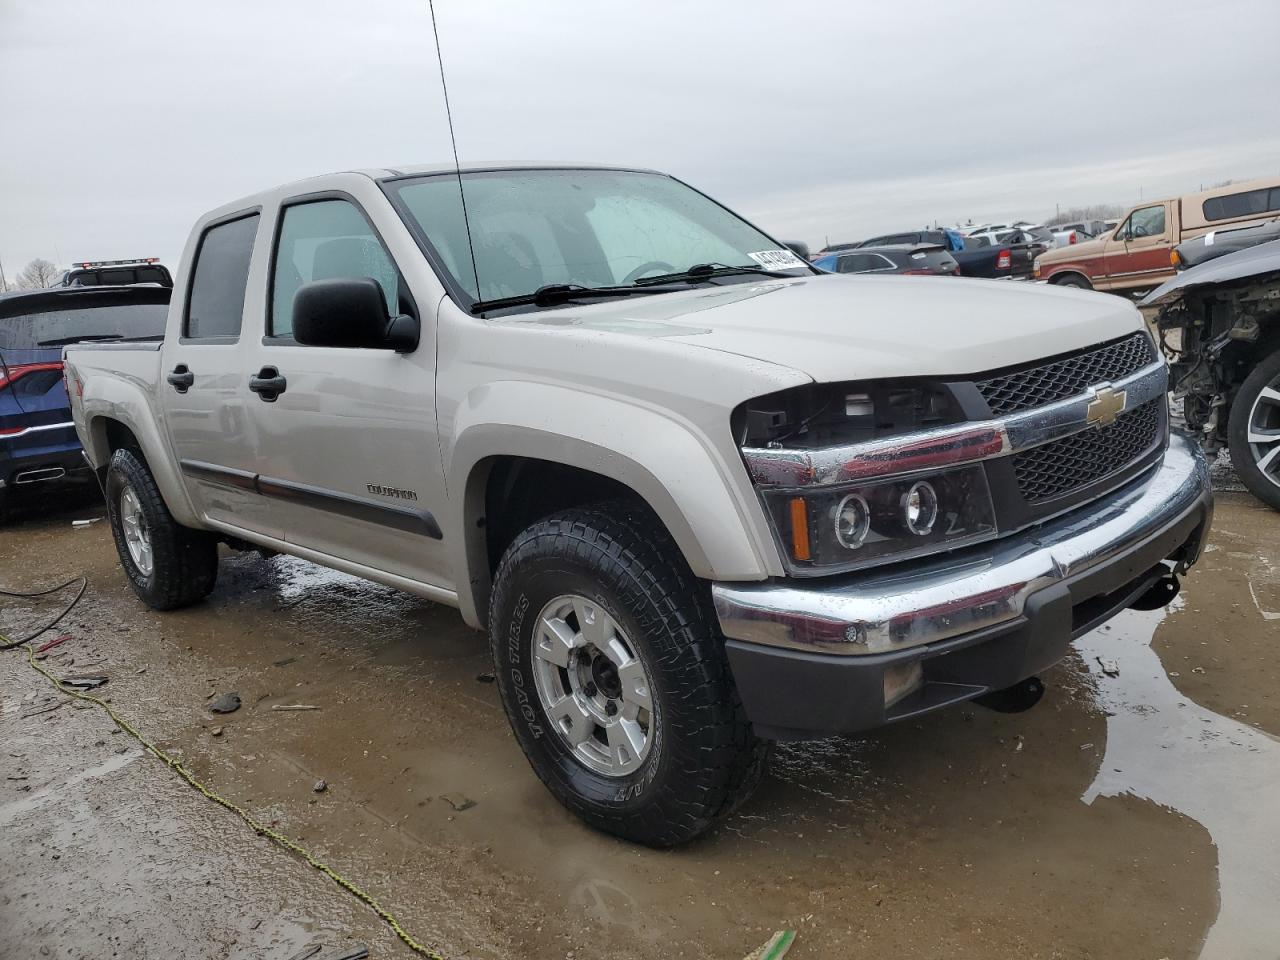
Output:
(1160, 594)
(1021, 696)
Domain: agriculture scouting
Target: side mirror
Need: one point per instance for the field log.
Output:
(350, 312)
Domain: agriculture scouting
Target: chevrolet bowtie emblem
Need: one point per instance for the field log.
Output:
(1106, 405)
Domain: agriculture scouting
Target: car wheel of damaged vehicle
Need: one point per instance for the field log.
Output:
(168, 565)
(613, 674)
(1253, 431)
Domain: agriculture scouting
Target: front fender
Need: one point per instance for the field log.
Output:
(1090, 268)
(108, 398)
(693, 481)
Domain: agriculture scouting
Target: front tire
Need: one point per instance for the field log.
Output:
(594, 620)
(168, 565)
(1074, 280)
(1253, 431)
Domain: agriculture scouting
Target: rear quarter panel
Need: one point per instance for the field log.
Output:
(119, 383)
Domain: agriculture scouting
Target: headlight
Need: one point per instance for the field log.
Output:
(843, 528)
(920, 508)
(853, 521)
(828, 516)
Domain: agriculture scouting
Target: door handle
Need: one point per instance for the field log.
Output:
(268, 384)
(181, 379)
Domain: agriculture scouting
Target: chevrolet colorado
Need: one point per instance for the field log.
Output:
(701, 496)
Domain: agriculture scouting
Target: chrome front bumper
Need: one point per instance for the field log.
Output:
(1103, 544)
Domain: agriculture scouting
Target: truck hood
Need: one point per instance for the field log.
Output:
(1250, 262)
(1071, 252)
(845, 327)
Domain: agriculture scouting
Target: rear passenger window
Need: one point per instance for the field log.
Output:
(216, 301)
(326, 240)
(1246, 204)
(862, 263)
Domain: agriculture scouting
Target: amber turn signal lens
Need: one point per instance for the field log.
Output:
(799, 529)
(1174, 258)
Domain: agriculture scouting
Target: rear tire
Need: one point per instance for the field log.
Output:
(168, 565)
(613, 572)
(1254, 411)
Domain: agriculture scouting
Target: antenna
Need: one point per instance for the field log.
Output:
(462, 195)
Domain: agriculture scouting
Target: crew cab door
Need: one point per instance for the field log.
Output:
(1137, 254)
(347, 446)
(201, 390)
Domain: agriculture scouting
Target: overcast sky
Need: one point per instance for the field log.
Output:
(121, 122)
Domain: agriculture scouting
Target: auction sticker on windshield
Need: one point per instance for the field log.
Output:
(777, 259)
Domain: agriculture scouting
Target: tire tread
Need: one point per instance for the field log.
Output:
(727, 760)
(185, 561)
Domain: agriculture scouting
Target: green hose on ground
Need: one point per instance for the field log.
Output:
(258, 827)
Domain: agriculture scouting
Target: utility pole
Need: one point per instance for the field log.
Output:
(4, 286)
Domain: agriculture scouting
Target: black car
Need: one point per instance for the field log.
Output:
(916, 259)
(1010, 254)
(1219, 243)
(116, 273)
(1225, 357)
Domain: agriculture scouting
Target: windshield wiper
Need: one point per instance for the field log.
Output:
(704, 271)
(555, 293)
(63, 341)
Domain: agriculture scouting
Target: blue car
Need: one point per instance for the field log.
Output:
(39, 448)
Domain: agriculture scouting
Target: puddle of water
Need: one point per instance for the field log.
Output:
(1169, 750)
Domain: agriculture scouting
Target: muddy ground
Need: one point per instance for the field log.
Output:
(1129, 816)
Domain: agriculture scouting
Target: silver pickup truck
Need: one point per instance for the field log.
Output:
(701, 496)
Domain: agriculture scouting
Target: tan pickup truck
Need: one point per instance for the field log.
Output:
(701, 496)
(1138, 254)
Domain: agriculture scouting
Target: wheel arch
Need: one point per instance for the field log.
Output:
(108, 431)
(1072, 274)
(617, 450)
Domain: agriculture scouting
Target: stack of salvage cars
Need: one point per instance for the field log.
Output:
(1219, 323)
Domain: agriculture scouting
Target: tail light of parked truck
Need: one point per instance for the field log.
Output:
(1004, 261)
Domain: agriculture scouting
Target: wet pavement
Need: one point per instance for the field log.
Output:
(1125, 816)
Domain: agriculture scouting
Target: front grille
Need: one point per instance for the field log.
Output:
(1066, 377)
(1080, 459)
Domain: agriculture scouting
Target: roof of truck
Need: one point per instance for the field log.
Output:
(241, 205)
(424, 169)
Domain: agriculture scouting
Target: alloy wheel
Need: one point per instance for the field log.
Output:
(137, 536)
(593, 686)
(1263, 434)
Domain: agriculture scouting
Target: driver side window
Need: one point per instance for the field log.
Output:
(325, 240)
(1146, 222)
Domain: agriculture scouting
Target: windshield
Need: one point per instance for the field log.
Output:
(592, 228)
